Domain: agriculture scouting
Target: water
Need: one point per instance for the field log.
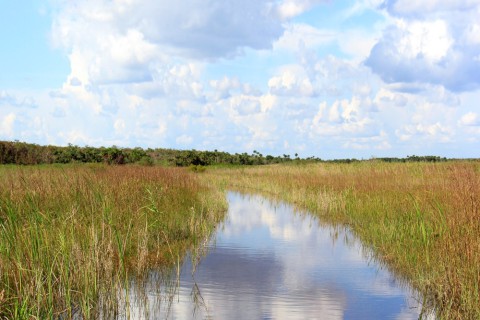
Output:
(268, 262)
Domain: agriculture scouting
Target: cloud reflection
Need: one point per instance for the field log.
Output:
(268, 262)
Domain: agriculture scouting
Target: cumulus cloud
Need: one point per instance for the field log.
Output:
(290, 8)
(225, 86)
(6, 129)
(420, 8)
(157, 47)
(291, 80)
(184, 139)
(346, 118)
(5, 98)
(245, 75)
(8, 99)
(140, 67)
(301, 34)
(435, 131)
(190, 28)
(58, 112)
(386, 99)
(119, 125)
(135, 40)
(432, 42)
(157, 51)
(378, 142)
(470, 119)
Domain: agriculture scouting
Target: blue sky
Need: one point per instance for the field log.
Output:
(333, 79)
(28, 59)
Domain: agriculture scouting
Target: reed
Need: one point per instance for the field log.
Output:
(71, 235)
(421, 219)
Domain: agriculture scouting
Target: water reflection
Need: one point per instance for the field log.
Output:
(267, 262)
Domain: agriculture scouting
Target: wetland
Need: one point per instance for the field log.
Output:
(75, 238)
(270, 261)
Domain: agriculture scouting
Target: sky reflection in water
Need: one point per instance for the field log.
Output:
(267, 262)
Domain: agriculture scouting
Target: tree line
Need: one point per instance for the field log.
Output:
(22, 153)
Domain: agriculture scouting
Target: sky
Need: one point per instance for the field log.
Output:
(323, 78)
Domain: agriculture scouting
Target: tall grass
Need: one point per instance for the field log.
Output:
(71, 235)
(423, 220)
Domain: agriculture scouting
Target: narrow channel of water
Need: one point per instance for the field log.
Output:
(269, 262)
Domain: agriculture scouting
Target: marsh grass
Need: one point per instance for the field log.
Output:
(73, 235)
(422, 220)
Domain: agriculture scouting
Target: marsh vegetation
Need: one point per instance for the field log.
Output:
(70, 234)
(421, 219)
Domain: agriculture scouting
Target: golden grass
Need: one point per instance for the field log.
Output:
(72, 234)
(421, 219)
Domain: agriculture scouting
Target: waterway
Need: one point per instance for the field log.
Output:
(268, 261)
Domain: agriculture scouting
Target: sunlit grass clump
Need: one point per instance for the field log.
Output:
(422, 220)
(72, 235)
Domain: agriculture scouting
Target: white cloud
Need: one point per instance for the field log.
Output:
(254, 119)
(357, 43)
(416, 8)
(7, 125)
(297, 35)
(290, 8)
(291, 80)
(267, 102)
(334, 114)
(436, 45)
(209, 29)
(387, 99)
(345, 119)
(435, 132)
(7, 99)
(472, 34)
(224, 87)
(58, 112)
(119, 125)
(77, 137)
(430, 40)
(378, 142)
(244, 75)
(184, 139)
(332, 76)
(470, 119)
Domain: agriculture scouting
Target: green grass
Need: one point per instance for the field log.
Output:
(72, 234)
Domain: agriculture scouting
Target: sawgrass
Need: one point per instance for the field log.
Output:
(72, 235)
